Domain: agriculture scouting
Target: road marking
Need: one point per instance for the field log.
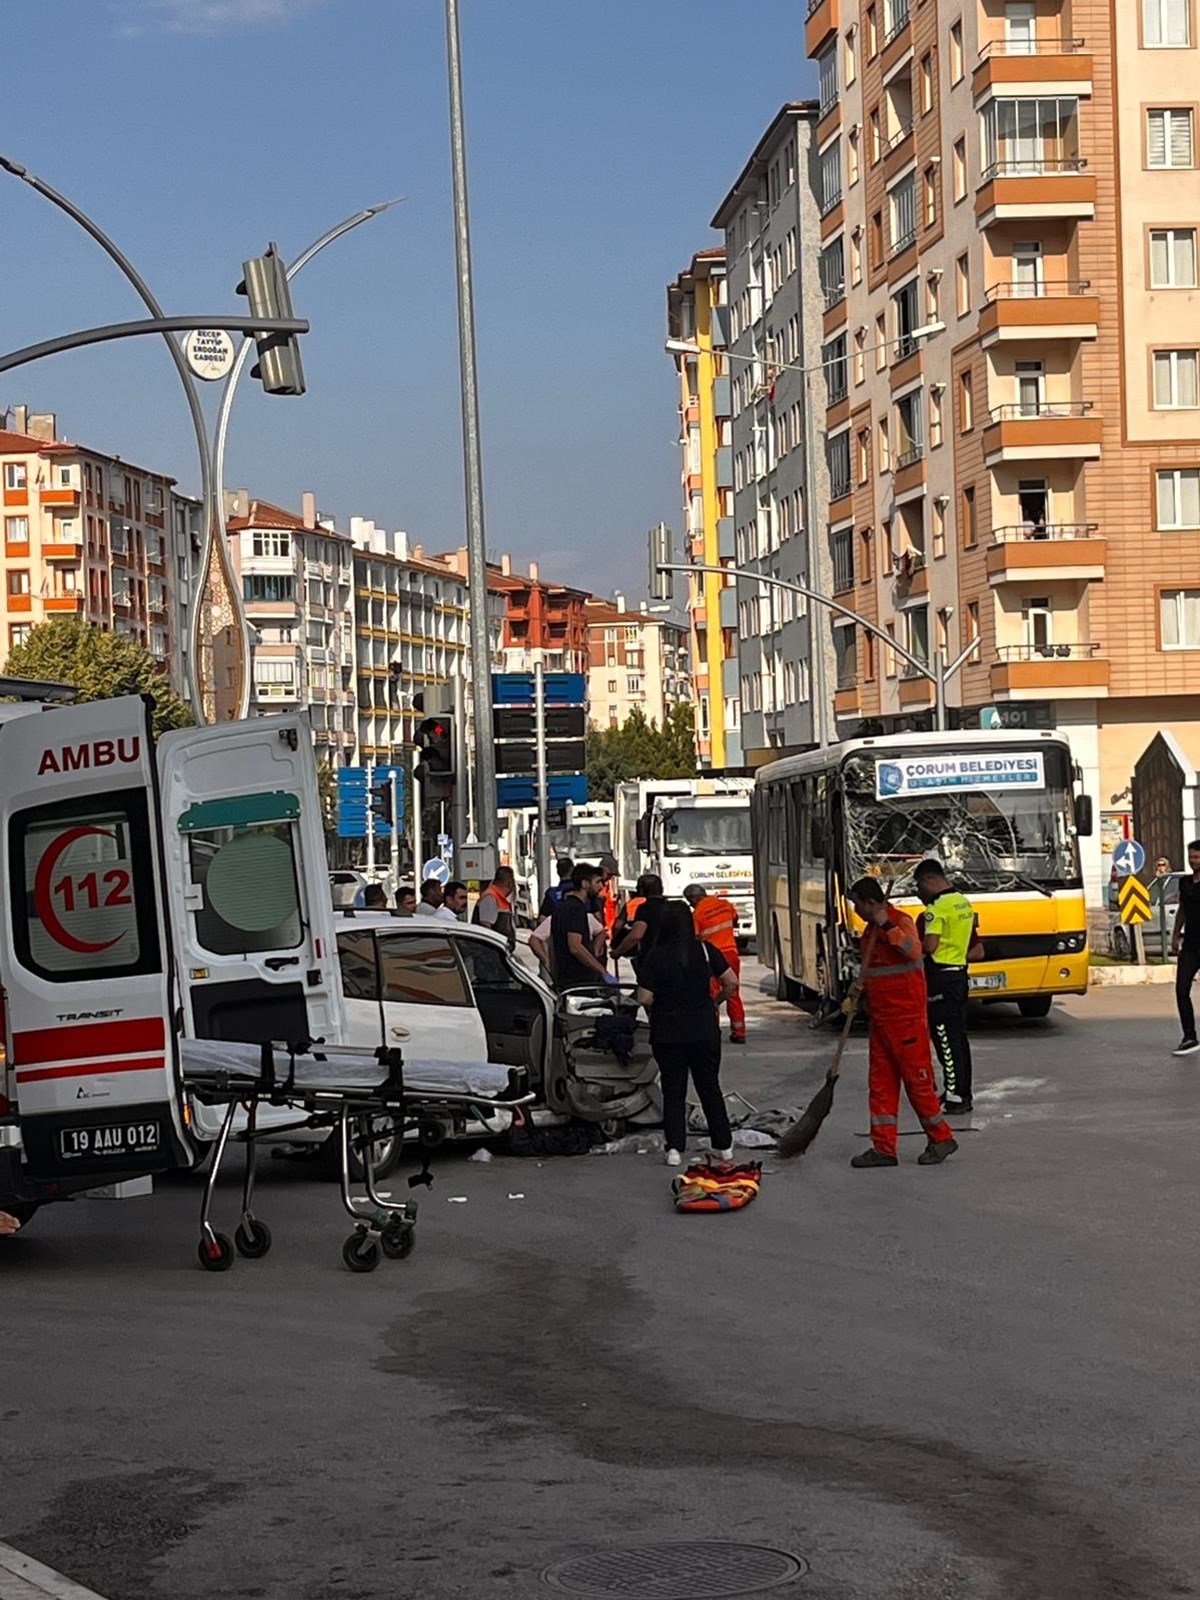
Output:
(23, 1578)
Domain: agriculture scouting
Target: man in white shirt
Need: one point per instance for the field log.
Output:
(443, 905)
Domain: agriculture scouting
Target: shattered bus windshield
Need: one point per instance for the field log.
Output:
(986, 839)
(708, 831)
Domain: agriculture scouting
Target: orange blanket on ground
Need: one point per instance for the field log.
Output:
(712, 1185)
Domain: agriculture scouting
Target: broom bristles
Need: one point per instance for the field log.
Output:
(796, 1139)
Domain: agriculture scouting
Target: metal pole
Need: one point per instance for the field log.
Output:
(109, 331)
(939, 691)
(370, 822)
(459, 824)
(816, 633)
(481, 664)
(418, 797)
(230, 389)
(542, 858)
(394, 875)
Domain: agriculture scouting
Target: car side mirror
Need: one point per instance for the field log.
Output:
(1084, 820)
(643, 833)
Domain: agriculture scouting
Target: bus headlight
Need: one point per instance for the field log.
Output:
(1072, 942)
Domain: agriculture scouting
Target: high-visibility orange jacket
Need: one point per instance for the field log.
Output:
(895, 977)
(716, 921)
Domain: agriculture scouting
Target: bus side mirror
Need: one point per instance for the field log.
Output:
(643, 832)
(1083, 816)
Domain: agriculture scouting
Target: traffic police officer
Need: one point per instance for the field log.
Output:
(948, 940)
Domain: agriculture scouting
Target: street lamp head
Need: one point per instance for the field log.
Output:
(385, 205)
(682, 347)
(15, 167)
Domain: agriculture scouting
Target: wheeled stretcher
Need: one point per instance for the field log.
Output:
(352, 1092)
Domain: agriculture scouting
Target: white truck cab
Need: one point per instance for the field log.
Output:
(705, 839)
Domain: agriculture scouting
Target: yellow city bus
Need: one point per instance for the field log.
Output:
(1001, 811)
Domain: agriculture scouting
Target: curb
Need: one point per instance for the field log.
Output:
(23, 1578)
(1120, 976)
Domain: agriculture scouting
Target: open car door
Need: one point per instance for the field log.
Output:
(248, 882)
(85, 955)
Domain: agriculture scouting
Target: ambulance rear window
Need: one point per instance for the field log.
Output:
(251, 898)
(84, 902)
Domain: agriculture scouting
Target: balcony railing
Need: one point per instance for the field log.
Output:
(839, 487)
(902, 243)
(1049, 289)
(1031, 47)
(1047, 652)
(834, 295)
(1033, 167)
(909, 457)
(1024, 411)
(899, 21)
(898, 138)
(1024, 532)
(831, 204)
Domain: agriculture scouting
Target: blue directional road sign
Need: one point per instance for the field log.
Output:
(560, 788)
(1129, 856)
(353, 802)
(516, 689)
(436, 869)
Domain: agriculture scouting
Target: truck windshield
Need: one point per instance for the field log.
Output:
(986, 839)
(707, 831)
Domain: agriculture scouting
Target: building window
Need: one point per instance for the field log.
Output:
(862, 460)
(881, 342)
(831, 268)
(929, 196)
(1179, 615)
(843, 560)
(877, 252)
(1178, 498)
(834, 362)
(860, 363)
(1166, 24)
(970, 522)
(868, 656)
(852, 169)
(845, 652)
(851, 55)
(18, 580)
(831, 176)
(960, 170)
(827, 80)
(906, 318)
(910, 428)
(272, 588)
(1029, 137)
(1173, 258)
(872, 26)
(902, 214)
(966, 402)
(935, 418)
(883, 450)
(18, 633)
(271, 542)
(874, 146)
(16, 530)
(1169, 137)
(1175, 386)
(926, 84)
(973, 622)
(856, 256)
(962, 285)
(939, 528)
(889, 653)
(14, 475)
(956, 51)
(837, 455)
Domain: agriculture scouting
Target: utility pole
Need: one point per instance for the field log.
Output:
(370, 822)
(816, 616)
(481, 658)
(458, 825)
(542, 858)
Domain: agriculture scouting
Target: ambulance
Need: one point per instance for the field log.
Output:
(151, 890)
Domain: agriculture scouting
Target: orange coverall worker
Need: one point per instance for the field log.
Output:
(899, 1044)
(715, 921)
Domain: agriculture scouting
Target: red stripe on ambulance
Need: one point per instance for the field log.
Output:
(92, 1069)
(88, 1040)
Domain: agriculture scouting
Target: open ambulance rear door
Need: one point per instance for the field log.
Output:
(248, 882)
(85, 954)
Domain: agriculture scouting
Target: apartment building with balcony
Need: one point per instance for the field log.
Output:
(543, 620)
(1016, 236)
(637, 660)
(297, 579)
(771, 221)
(698, 317)
(410, 630)
(87, 535)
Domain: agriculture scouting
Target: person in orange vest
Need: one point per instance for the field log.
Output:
(716, 923)
(900, 1049)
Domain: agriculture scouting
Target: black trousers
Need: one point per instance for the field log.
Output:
(703, 1061)
(948, 1030)
(1185, 976)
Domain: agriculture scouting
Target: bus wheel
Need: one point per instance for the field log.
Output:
(1037, 1005)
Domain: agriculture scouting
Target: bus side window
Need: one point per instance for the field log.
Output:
(816, 817)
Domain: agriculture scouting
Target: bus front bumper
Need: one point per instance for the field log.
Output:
(1024, 976)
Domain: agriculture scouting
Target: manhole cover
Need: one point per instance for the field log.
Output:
(703, 1570)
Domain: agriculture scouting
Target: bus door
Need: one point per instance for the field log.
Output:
(85, 953)
(248, 882)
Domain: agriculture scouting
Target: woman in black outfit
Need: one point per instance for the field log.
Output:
(675, 981)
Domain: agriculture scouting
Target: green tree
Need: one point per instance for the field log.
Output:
(641, 749)
(100, 665)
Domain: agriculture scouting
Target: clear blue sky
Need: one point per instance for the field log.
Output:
(601, 138)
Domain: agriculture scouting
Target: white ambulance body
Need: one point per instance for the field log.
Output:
(149, 892)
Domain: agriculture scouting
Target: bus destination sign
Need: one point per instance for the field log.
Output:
(948, 774)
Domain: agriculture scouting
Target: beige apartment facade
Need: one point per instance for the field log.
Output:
(1010, 207)
(636, 661)
(86, 535)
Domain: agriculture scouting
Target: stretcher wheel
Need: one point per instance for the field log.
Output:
(360, 1253)
(215, 1254)
(398, 1240)
(253, 1239)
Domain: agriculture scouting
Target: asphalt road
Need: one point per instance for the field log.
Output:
(975, 1381)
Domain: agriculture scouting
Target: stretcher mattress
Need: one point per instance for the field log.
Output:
(348, 1068)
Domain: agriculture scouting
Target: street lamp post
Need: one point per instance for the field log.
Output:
(939, 672)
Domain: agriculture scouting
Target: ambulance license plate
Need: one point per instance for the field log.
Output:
(990, 980)
(110, 1140)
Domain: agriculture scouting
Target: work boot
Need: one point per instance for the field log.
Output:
(957, 1108)
(874, 1158)
(936, 1151)
(737, 1038)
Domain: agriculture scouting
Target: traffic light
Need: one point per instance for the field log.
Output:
(434, 738)
(265, 285)
(381, 804)
(662, 543)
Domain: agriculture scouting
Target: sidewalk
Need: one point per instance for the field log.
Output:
(22, 1578)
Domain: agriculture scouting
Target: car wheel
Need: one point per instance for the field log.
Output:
(388, 1149)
